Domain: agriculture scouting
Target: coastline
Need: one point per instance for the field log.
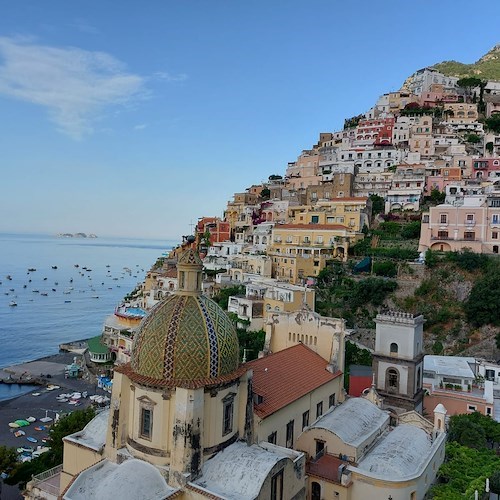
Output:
(45, 403)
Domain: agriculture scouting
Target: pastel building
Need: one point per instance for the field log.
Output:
(453, 382)
(472, 222)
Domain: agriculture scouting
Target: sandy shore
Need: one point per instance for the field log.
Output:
(46, 403)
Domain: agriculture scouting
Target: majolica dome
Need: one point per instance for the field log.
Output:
(187, 336)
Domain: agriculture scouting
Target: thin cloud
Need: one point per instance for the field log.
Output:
(74, 85)
(169, 77)
(141, 126)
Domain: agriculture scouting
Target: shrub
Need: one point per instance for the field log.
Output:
(385, 268)
(411, 231)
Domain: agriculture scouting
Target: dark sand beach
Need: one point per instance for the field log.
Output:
(45, 404)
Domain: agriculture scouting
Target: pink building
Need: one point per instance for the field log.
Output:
(483, 168)
(474, 223)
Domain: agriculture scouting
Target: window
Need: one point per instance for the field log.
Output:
(305, 419)
(272, 438)
(494, 235)
(227, 416)
(471, 408)
(488, 411)
(393, 378)
(319, 409)
(277, 486)
(469, 218)
(469, 235)
(289, 434)
(443, 219)
(394, 348)
(146, 422)
(443, 235)
(494, 219)
(331, 400)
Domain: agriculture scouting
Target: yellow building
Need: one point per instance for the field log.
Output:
(301, 250)
(353, 213)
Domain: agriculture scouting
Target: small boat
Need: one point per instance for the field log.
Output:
(32, 439)
(31, 269)
(67, 301)
(12, 303)
(19, 433)
(46, 419)
(11, 290)
(8, 277)
(107, 265)
(13, 425)
(66, 292)
(56, 283)
(40, 428)
(54, 267)
(25, 449)
(44, 279)
(36, 394)
(76, 265)
(54, 290)
(24, 286)
(31, 420)
(95, 296)
(45, 294)
(36, 291)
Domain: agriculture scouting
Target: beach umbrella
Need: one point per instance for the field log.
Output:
(22, 423)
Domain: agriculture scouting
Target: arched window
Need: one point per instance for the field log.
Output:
(315, 491)
(394, 348)
(392, 380)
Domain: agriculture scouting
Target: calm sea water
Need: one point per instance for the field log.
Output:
(39, 323)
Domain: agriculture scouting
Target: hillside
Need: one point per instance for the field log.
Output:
(487, 67)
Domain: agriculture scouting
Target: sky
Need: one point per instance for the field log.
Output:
(136, 118)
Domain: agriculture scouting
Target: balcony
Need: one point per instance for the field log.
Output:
(326, 466)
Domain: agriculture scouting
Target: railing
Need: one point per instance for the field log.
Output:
(40, 481)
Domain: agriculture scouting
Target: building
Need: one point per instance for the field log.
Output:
(453, 382)
(356, 451)
(210, 230)
(472, 222)
(398, 360)
(300, 251)
(180, 424)
(292, 388)
(407, 187)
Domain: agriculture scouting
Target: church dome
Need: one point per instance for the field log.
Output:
(187, 337)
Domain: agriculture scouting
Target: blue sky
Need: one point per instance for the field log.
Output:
(135, 118)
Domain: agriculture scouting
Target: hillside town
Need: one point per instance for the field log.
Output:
(196, 414)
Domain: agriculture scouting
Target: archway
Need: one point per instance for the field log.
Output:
(315, 491)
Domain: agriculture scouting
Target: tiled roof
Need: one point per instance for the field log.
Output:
(285, 376)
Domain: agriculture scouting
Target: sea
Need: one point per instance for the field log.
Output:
(61, 301)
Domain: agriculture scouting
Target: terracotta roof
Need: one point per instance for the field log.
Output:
(285, 376)
(320, 227)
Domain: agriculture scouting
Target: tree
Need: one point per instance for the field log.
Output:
(378, 204)
(489, 147)
(411, 231)
(483, 304)
(473, 138)
(265, 194)
(222, 298)
(8, 458)
(493, 123)
(495, 482)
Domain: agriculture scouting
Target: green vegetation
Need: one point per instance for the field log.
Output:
(493, 124)
(378, 204)
(385, 268)
(436, 197)
(339, 295)
(353, 121)
(473, 138)
(487, 68)
(265, 194)
(21, 473)
(470, 457)
(222, 298)
(251, 342)
(483, 304)
(159, 263)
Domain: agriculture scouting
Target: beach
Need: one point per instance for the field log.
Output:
(45, 404)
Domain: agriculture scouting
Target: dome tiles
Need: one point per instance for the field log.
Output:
(186, 337)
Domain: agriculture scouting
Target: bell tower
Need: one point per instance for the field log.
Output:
(398, 360)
